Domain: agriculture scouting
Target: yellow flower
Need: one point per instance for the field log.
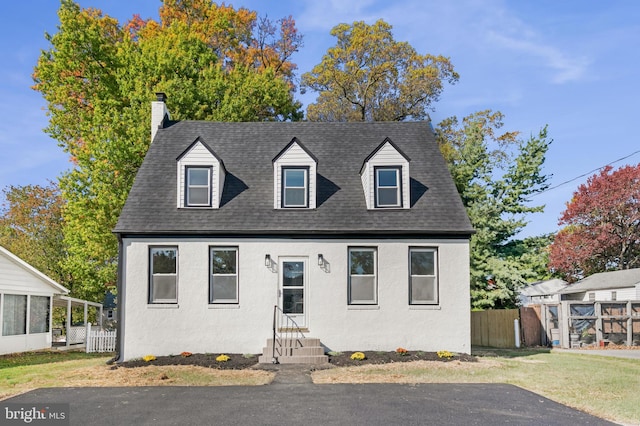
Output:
(359, 356)
(223, 358)
(148, 358)
(445, 354)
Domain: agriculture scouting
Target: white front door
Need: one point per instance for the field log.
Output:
(293, 280)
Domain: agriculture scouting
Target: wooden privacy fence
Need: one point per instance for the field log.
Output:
(494, 328)
(100, 340)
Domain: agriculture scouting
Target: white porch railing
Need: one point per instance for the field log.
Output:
(76, 335)
(100, 340)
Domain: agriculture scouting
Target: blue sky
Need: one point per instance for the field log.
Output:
(571, 65)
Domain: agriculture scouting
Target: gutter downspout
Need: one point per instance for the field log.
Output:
(119, 303)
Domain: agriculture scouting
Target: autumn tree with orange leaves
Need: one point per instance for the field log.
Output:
(31, 227)
(602, 226)
(99, 77)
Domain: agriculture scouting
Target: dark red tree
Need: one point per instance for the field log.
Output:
(602, 229)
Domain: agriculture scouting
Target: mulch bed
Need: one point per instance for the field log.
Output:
(340, 359)
(235, 362)
(374, 357)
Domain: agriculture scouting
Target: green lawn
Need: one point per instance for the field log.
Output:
(605, 386)
(43, 357)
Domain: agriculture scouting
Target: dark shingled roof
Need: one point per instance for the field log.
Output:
(247, 150)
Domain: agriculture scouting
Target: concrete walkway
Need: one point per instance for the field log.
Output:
(291, 374)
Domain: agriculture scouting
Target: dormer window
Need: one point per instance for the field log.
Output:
(295, 187)
(198, 191)
(385, 178)
(201, 175)
(388, 186)
(294, 177)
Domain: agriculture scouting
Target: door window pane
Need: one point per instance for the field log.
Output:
(293, 301)
(293, 274)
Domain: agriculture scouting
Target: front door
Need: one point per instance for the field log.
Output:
(293, 280)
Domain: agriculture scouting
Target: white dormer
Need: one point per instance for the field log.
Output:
(385, 178)
(294, 177)
(201, 176)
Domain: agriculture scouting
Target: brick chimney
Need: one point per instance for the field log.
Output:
(159, 113)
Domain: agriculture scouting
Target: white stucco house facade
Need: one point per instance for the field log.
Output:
(26, 303)
(352, 231)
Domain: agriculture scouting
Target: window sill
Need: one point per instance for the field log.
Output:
(425, 307)
(223, 306)
(363, 307)
(162, 306)
(196, 208)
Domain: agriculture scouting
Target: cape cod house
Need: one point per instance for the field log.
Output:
(352, 234)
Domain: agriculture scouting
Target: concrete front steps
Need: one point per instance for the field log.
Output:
(305, 350)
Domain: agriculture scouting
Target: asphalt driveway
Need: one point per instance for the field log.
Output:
(310, 404)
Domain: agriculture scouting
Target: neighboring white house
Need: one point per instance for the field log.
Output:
(605, 286)
(26, 298)
(354, 231)
(541, 292)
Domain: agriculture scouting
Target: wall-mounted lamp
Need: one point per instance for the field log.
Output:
(267, 260)
(320, 260)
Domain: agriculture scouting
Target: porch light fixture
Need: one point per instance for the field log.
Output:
(320, 260)
(267, 260)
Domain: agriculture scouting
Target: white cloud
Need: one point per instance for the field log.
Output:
(567, 68)
(465, 27)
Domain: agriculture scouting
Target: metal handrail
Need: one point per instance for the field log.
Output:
(292, 332)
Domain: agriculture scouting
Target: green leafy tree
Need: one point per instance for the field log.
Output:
(496, 175)
(31, 228)
(99, 77)
(368, 76)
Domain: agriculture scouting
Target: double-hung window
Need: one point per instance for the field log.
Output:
(388, 187)
(163, 269)
(223, 286)
(295, 187)
(198, 186)
(363, 276)
(423, 278)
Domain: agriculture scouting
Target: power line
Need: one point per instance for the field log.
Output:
(586, 174)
